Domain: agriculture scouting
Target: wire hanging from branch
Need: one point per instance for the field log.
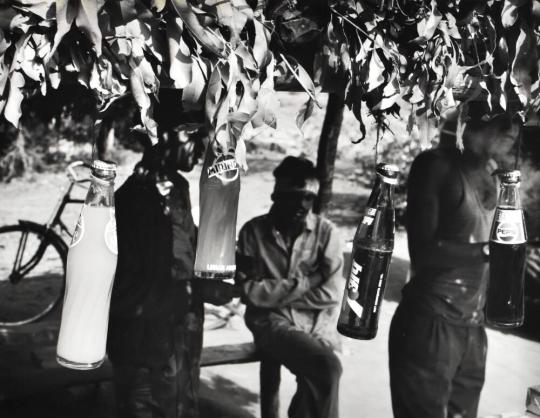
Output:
(518, 147)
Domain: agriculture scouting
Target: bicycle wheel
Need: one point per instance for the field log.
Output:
(32, 272)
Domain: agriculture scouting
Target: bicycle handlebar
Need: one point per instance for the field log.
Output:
(73, 174)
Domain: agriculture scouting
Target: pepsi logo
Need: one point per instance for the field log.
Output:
(507, 231)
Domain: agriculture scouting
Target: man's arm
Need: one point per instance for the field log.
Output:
(260, 291)
(329, 286)
(428, 181)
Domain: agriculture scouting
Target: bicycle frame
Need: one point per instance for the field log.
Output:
(66, 199)
(19, 271)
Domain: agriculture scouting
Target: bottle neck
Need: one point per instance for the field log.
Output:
(509, 196)
(382, 195)
(100, 192)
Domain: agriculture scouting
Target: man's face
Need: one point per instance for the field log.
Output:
(293, 207)
(500, 139)
(182, 153)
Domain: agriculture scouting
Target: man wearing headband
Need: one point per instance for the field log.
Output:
(289, 268)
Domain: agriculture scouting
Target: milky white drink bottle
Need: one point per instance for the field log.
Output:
(91, 265)
(219, 193)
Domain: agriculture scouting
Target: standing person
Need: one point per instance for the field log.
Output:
(156, 320)
(437, 343)
(289, 267)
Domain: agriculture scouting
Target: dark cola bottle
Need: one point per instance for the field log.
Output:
(507, 257)
(371, 254)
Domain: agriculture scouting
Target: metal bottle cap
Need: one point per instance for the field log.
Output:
(388, 172)
(104, 169)
(510, 176)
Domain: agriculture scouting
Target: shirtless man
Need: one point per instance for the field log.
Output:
(437, 340)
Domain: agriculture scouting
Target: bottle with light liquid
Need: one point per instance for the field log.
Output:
(219, 192)
(91, 265)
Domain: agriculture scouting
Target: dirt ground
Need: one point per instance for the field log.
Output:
(512, 364)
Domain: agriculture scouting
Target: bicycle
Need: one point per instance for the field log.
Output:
(33, 261)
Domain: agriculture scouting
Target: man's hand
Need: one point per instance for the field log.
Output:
(533, 262)
(215, 292)
(307, 271)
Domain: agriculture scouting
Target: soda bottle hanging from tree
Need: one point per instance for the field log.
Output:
(219, 193)
(91, 264)
(371, 254)
(507, 256)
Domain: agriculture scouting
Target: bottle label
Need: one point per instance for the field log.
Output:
(221, 267)
(508, 227)
(110, 234)
(225, 168)
(352, 289)
(78, 233)
(369, 216)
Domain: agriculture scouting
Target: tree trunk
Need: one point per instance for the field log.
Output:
(326, 153)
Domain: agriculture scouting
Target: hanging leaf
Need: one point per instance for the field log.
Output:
(240, 154)
(179, 55)
(12, 108)
(208, 39)
(305, 112)
(524, 60)
(193, 95)
(376, 72)
(248, 61)
(84, 14)
(234, 18)
(4, 77)
(87, 21)
(261, 53)
(144, 103)
(214, 92)
(427, 27)
(302, 77)
(4, 43)
(42, 8)
(510, 12)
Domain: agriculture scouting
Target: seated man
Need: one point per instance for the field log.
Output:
(289, 267)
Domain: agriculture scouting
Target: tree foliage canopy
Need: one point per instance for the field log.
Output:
(224, 55)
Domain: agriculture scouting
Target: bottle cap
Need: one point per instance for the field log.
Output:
(509, 176)
(104, 169)
(388, 172)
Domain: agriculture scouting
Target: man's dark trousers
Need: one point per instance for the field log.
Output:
(315, 365)
(437, 368)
